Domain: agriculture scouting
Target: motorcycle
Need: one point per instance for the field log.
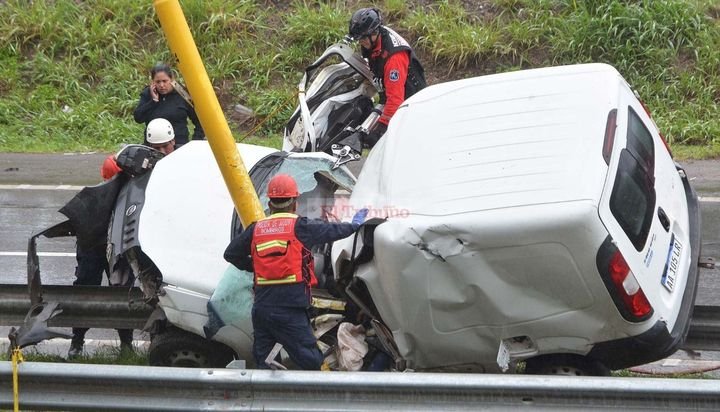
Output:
(337, 100)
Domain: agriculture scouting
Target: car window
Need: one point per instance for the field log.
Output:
(640, 142)
(306, 170)
(319, 185)
(633, 199)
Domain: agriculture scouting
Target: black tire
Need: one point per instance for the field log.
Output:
(565, 364)
(178, 348)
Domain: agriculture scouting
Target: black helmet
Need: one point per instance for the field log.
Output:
(364, 22)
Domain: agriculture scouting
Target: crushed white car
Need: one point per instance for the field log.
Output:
(187, 221)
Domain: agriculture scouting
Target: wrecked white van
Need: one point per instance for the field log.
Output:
(536, 215)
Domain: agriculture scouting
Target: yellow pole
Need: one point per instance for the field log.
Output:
(17, 358)
(208, 110)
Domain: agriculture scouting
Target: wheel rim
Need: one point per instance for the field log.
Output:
(567, 371)
(187, 359)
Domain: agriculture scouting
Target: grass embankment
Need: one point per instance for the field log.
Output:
(71, 71)
(101, 356)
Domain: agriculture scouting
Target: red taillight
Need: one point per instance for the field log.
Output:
(609, 141)
(627, 287)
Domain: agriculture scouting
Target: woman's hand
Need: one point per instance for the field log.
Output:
(153, 93)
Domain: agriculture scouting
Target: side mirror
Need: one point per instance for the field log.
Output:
(136, 159)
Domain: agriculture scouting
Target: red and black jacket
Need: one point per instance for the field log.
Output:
(408, 72)
(309, 232)
(278, 255)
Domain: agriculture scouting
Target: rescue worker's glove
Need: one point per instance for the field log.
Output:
(374, 135)
(359, 218)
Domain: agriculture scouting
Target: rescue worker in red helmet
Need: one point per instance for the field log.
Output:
(398, 72)
(277, 250)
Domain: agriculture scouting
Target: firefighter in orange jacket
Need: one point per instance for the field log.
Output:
(277, 250)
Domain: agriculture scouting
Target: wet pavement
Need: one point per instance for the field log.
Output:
(51, 169)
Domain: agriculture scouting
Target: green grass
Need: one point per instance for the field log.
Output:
(102, 356)
(626, 373)
(93, 57)
(707, 151)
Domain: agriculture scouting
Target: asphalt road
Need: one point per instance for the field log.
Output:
(55, 179)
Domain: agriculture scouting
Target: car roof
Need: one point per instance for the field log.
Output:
(504, 140)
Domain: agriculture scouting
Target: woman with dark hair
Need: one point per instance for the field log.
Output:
(166, 99)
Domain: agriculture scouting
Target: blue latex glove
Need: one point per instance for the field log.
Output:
(359, 217)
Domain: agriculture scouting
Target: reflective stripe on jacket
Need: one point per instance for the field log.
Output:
(278, 255)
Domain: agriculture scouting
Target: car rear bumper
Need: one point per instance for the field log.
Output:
(657, 343)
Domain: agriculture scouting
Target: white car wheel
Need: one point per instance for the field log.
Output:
(565, 365)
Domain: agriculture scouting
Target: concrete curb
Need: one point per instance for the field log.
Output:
(672, 366)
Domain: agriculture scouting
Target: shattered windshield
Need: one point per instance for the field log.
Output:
(318, 185)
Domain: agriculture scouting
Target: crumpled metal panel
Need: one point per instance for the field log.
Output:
(452, 288)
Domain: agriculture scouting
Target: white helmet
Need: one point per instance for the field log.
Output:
(159, 131)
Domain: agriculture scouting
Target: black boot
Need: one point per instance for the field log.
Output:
(77, 343)
(126, 339)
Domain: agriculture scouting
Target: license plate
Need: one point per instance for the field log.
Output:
(672, 265)
(503, 357)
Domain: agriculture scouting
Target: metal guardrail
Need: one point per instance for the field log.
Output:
(83, 306)
(50, 386)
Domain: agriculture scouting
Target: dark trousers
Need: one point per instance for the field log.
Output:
(89, 272)
(290, 327)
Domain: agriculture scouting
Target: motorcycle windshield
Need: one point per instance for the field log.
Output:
(346, 54)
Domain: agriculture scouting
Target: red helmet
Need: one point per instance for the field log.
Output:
(282, 186)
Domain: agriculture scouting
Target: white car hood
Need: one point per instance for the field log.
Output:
(185, 222)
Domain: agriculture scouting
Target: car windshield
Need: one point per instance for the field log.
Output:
(319, 185)
(322, 189)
